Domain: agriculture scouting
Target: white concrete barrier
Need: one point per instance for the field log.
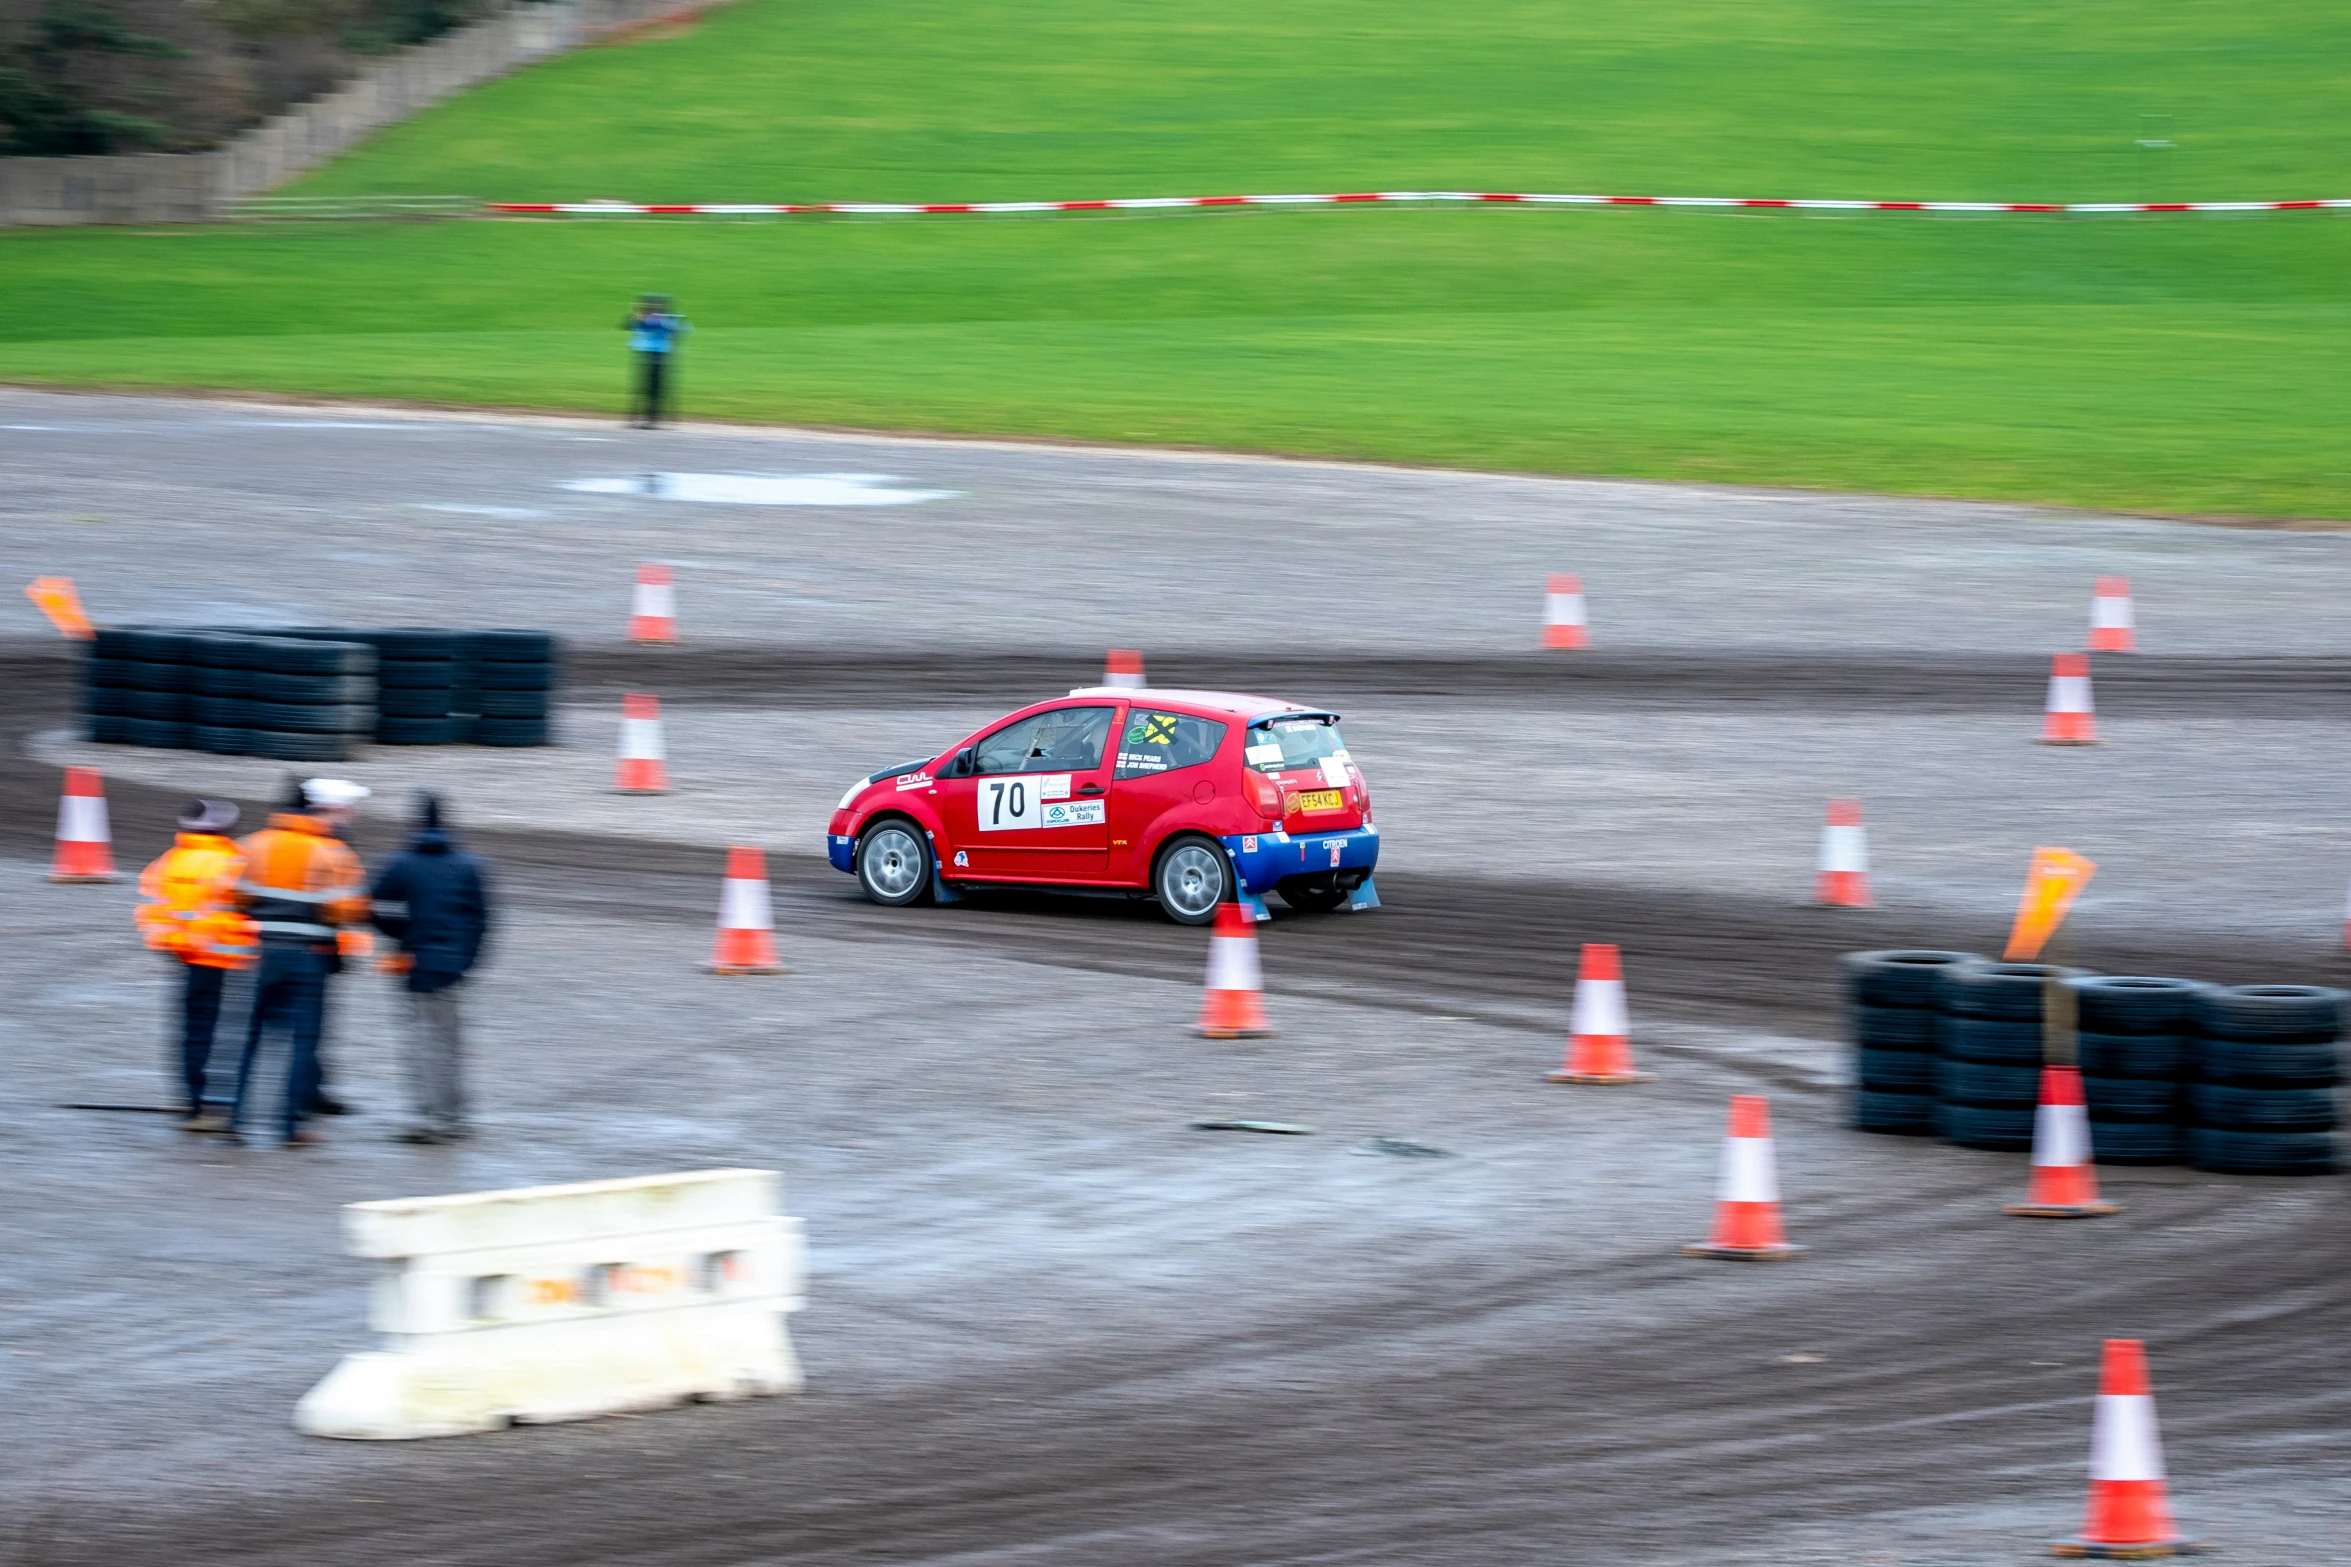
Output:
(565, 1302)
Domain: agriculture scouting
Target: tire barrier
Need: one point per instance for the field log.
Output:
(307, 693)
(2240, 1080)
(567, 1302)
(2263, 1065)
(1894, 1002)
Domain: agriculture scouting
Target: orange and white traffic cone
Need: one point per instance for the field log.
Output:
(746, 924)
(1234, 1006)
(1747, 1207)
(2130, 1514)
(1599, 1037)
(2110, 617)
(1124, 668)
(2063, 1185)
(653, 612)
(644, 764)
(1844, 857)
(1563, 611)
(85, 848)
(2069, 721)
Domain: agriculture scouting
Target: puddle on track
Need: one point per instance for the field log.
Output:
(757, 489)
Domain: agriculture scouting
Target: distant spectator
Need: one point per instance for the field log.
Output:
(434, 902)
(654, 331)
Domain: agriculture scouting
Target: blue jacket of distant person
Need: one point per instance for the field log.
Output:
(657, 332)
(434, 901)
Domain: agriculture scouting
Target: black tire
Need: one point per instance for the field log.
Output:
(166, 706)
(222, 712)
(313, 718)
(293, 656)
(98, 671)
(140, 644)
(2261, 1153)
(894, 862)
(421, 673)
(108, 729)
(494, 703)
(107, 701)
(1899, 978)
(223, 741)
(413, 702)
(119, 643)
(2138, 1142)
(2131, 1098)
(152, 676)
(2271, 1012)
(2132, 1055)
(220, 680)
(239, 650)
(162, 736)
(2239, 1109)
(392, 730)
(2305, 1064)
(1903, 1115)
(1972, 1083)
(291, 745)
(1992, 1041)
(514, 647)
(490, 677)
(2008, 1130)
(1999, 990)
(1191, 877)
(269, 686)
(509, 731)
(2135, 1003)
(1309, 896)
(1896, 1071)
(1895, 1028)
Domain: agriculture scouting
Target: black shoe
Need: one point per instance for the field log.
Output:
(422, 1137)
(324, 1105)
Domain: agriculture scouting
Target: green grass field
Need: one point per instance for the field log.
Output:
(2191, 365)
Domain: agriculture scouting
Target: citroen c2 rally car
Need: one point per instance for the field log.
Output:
(1194, 798)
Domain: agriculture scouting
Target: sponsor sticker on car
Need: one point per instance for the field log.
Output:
(1023, 804)
(915, 780)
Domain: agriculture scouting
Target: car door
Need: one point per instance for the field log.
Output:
(1162, 768)
(1035, 806)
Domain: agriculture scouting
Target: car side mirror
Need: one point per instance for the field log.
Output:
(964, 759)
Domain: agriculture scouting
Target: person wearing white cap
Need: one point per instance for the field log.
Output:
(301, 885)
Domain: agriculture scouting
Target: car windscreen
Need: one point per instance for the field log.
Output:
(1290, 743)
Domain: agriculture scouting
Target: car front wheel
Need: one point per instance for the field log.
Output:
(894, 863)
(1192, 879)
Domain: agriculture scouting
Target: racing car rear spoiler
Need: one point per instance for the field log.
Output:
(1281, 718)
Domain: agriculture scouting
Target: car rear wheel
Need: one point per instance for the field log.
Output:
(1192, 878)
(894, 863)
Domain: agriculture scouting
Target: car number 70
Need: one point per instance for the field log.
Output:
(1007, 804)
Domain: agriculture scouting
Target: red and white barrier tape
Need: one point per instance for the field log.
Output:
(1147, 203)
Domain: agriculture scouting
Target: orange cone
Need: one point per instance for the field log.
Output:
(644, 767)
(746, 926)
(1599, 1038)
(85, 848)
(1844, 857)
(2110, 617)
(2063, 1186)
(1563, 611)
(2069, 721)
(1124, 667)
(1234, 1006)
(2130, 1514)
(653, 613)
(1747, 1209)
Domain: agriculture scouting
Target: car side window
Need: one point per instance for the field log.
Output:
(1157, 743)
(1063, 740)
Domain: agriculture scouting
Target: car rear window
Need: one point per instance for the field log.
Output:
(1287, 744)
(1162, 742)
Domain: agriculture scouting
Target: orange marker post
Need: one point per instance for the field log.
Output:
(2055, 878)
(55, 597)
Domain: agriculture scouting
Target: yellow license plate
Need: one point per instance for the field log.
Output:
(1320, 800)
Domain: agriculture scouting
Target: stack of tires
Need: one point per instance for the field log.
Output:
(1988, 1078)
(291, 698)
(419, 672)
(2263, 1066)
(511, 682)
(135, 689)
(1894, 1008)
(2132, 1046)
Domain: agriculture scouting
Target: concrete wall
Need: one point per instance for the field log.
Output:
(203, 186)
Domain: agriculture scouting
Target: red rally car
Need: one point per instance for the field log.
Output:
(1194, 798)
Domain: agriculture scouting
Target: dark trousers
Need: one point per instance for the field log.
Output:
(199, 1021)
(289, 995)
(652, 399)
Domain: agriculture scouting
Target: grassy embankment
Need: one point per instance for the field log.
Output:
(2166, 364)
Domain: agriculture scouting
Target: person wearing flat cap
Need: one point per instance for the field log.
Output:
(302, 886)
(189, 915)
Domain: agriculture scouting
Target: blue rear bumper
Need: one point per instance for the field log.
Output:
(1262, 859)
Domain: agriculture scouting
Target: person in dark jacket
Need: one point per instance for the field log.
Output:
(434, 902)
